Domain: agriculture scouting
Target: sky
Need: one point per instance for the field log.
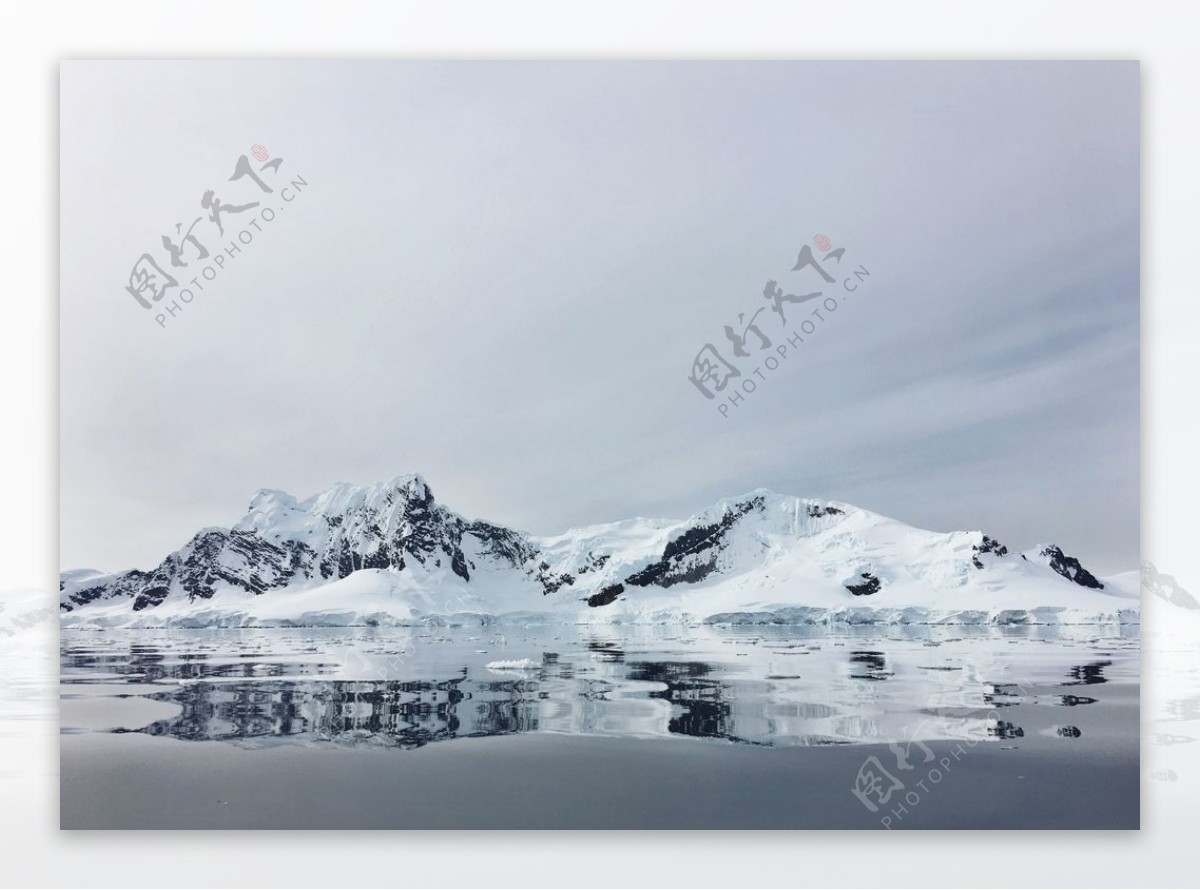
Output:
(498, 275)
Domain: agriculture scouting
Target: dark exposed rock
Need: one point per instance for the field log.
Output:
(988, 545)
(702, 542)
(1069, 567)
(606, 596)
(552, 582)
(816, 511)
(123, 587)
(502, 543)
(593, 563)
(869, 585)
(458, 564)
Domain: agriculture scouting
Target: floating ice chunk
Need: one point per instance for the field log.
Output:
(518, 664)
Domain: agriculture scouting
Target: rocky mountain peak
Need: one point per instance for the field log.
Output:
(754, 548)
(1052, 556)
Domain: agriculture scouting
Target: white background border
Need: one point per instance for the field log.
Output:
(34, 37)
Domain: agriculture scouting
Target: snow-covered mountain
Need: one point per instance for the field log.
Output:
(391, 554)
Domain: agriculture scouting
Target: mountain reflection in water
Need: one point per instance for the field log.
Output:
(761, 686)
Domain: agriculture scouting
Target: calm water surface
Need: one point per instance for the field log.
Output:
(1016, 699)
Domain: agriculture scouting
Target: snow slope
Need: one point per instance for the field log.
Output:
(390, 554)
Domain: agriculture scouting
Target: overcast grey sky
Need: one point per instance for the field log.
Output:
(499, 273)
